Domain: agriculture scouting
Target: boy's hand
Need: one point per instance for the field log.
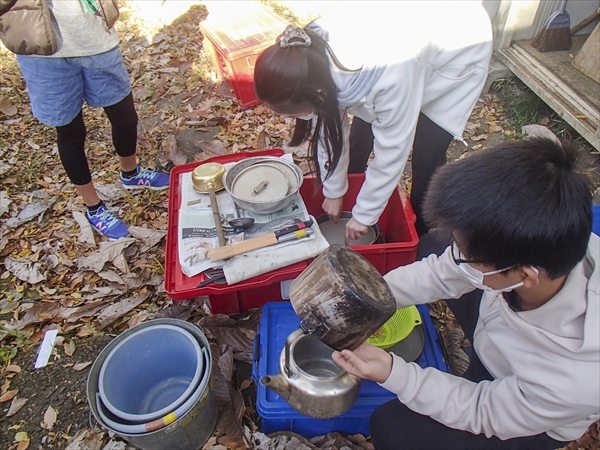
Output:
(367, 361)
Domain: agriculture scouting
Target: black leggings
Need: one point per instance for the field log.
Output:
(428, 153)
(71, 139)
(393, 426)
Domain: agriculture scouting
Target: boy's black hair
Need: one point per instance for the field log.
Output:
(525, 202)
(299, 78)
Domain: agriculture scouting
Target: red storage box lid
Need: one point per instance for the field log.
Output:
(238, 29)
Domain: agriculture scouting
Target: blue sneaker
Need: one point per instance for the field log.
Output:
(147, 179)
(105, 222)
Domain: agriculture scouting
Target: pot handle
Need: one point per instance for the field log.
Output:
(288, 343)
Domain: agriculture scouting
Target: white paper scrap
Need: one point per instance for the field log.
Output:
(46, 349)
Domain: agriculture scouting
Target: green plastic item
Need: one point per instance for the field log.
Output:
(397, 328)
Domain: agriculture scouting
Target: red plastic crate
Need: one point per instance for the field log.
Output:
(396, 223)
(235, 35)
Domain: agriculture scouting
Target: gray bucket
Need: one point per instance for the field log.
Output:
(191, 430)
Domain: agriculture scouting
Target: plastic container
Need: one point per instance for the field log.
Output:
(192, 429)
(235, 35)
(278, 320)
(396, 224)
(150, 373)
(397, 328)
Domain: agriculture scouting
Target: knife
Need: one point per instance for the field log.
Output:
(296, 231)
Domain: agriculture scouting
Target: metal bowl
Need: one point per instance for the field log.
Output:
(335, 232)
(291, 171)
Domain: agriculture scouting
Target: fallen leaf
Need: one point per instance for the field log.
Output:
(246, 384)
(479, 137)
(23, 440)
(107, 252)
(69, 347)
(86, 234)
(30, 211)
(86, 439)
(50, 417)
(26, 270)
(21, 436)
(113, 312)
(13, 368)
(15, 406)
(214, 148)
(81, 366)
(9, 395)
(112, 276)
(262, 141)
(148, 236)
(171, 149)
(7, 107)
(39, 312)
(110, 192)
(5, 201)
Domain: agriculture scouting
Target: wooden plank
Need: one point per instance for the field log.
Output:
(587, 60)
(565, 101)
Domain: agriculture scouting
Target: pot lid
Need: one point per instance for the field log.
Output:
(260, 182)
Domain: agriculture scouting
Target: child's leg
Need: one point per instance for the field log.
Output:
(361, 145)
(124, 119)
(395, 427)
(71, 142)
(429, 152)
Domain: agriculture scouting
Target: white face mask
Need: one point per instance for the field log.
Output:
(311, 116)
(476, 277)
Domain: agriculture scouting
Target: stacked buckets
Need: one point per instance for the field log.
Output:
(152, 386)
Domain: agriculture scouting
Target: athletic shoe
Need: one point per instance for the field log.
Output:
(105, 222)
(146, 179)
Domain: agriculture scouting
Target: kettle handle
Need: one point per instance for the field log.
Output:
(288, 343)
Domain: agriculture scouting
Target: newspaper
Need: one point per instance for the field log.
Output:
(197, 232)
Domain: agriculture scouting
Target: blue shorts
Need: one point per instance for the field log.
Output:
(58, 86)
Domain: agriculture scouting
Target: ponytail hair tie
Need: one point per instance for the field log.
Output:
(293, 36)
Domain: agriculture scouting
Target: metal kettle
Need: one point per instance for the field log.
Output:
(311, 382)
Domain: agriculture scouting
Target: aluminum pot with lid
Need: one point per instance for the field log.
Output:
(341, 298)
(263, 184)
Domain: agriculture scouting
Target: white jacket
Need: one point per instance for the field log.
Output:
(546, 361)
(429, 57)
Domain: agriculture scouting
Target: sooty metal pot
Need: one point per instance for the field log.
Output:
(341, 298)
(311, 382)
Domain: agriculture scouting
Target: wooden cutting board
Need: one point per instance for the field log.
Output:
(587, 60)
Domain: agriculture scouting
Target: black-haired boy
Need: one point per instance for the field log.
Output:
(514, 222)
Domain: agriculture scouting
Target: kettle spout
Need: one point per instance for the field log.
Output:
(278, 384)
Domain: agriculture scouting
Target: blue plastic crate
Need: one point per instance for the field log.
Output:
(278, 320)
(596, 219)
